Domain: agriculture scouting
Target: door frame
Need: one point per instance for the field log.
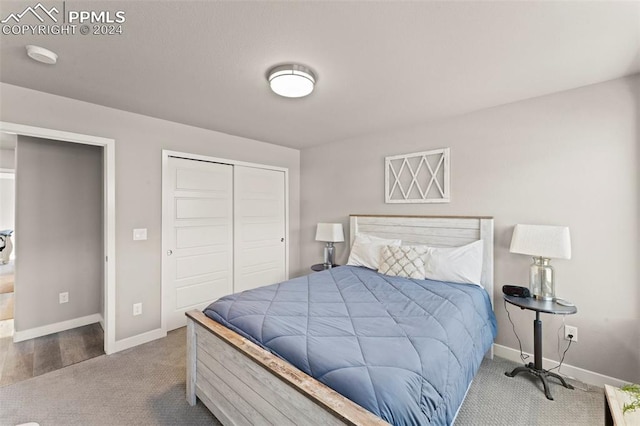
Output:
(109, 212)
(197, 157)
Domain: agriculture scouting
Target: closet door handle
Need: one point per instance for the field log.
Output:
(169, 252)
(282, 240)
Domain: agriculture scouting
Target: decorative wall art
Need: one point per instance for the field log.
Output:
(421, 177)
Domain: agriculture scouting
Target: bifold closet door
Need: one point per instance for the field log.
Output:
(199, 236)
(259, 221)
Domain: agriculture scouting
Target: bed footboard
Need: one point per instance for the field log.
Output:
(191, 361)
(241, 383)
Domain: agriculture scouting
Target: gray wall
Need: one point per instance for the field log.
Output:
(59, 223)
(7, 157)
(570, 158)
(139, 143)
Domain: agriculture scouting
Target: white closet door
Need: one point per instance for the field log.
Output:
(197, 236)
(259, 218)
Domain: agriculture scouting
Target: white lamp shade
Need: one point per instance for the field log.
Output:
(542, 241)
(330, 232)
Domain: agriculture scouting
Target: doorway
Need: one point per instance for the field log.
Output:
(108, 224)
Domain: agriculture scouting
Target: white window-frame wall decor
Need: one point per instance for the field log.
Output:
(432, 186)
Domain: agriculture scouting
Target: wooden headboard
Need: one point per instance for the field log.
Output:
(437, 231)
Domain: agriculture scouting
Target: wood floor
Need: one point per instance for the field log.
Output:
(23, 360)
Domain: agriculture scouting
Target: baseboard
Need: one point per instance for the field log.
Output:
(32, 333)
(567, 370)
(101, 321)
(140, 339)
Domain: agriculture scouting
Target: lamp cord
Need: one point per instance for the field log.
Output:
(559, 335)
(563, 355)
(523, 356)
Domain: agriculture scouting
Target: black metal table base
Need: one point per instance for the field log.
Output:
(542, 375)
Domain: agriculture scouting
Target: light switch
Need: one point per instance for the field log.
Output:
(140, 234)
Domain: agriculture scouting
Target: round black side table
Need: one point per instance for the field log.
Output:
(320, 267)
(535, 367)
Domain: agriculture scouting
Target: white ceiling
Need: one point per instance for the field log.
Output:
(380, 65)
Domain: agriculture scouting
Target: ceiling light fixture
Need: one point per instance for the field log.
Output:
(292, 80)
(41, 54)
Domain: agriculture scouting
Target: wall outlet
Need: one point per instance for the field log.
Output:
(137, 309)
(571, 330)
(63, 297)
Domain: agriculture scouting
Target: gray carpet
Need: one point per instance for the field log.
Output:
(145, 386)
(497, 400)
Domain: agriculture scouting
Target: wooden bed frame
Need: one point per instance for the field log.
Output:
(244, 384)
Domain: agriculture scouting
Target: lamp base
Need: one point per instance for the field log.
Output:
(543, 298)
(329, 252)
(541, 279)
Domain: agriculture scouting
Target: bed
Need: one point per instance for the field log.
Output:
(241, 382)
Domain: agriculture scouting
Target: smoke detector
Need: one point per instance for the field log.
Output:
(41, 54)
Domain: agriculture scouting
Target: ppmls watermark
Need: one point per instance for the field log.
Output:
(57, 20)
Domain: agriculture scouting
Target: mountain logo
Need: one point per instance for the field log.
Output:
(39, 11)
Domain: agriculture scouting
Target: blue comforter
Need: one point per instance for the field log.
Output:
(404, 349)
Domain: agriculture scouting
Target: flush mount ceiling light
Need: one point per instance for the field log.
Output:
(41, 54)
(292, 80)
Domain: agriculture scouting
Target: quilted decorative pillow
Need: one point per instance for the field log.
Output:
(403, 261)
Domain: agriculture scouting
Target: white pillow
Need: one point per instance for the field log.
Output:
(455, 264)
(403, 261)
(366, 250)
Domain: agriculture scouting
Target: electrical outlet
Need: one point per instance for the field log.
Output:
(571, 330)
(137, 309)
(63, 297)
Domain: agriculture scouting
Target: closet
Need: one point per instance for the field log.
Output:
(224, 231)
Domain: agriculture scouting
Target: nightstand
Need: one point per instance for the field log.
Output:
(535, 367)
(320, 267)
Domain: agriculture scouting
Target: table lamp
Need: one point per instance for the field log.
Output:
(543, 243)
(329, 233)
